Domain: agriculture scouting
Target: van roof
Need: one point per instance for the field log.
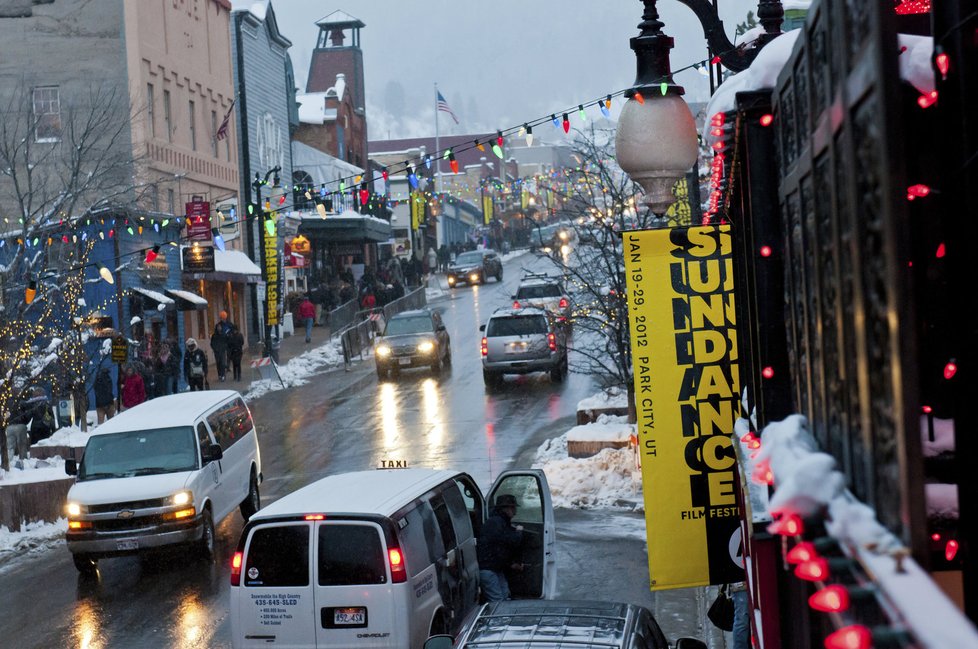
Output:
(380, 491)
(165, 412)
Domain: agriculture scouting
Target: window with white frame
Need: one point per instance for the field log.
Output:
(47, 114)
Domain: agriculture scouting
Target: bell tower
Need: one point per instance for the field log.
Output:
(338, 52)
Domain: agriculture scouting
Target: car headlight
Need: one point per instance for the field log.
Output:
(474, 277)
(73, 509)
(182, 498)
(426, 347)
(564, 249)
(383, 350)
(563, 235)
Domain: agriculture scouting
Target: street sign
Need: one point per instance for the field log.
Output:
(198, 259)
(198, 219)
(261, 291)
(120, 349)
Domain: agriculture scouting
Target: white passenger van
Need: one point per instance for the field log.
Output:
(163, 473)
(380, 558)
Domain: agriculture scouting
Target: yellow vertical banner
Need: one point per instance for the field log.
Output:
(416, 210)
(524, 199)
(682, 324)
(487, 208)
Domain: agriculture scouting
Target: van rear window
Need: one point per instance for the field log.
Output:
(351, 555)
(278, 556)
(517, 326)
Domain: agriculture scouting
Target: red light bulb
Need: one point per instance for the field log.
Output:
(768, 372)
(718, 119)
(364, 196)
(950, 370)
(639, 98)
(715, 60)
(941, 251)
(748, 437)
(935, 537)
(855, 636)
(754, 444)
(943, 62)
(831, 599)
(927, 410)
(917, 191)
(453, 163)
(928, 99)
(766, 251)
(566, 123)
(787, 525)
(767, 119)
(499, 137)
(762, 474)
(801, 553)
(385, 174)
(813, 570)
(951, 550)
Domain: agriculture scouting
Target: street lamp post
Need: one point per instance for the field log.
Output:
(656, 143)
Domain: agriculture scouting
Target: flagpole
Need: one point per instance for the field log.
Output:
(437, 147)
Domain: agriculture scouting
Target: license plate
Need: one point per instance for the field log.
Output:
(404, 361)
(516, 348)
(127, 544)
(349, 616)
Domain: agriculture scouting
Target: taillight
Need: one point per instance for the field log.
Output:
(516, 304)
(315, 517)
(398, 571)
(563, 303)
(552, 341)
(236, 568)
(485, 346)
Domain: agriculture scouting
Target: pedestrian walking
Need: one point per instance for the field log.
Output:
(104, 395)
(369, 301)
(195, 366)
(219, 344)
(133, 388)
(173, 363)
(235, 352)
(307, 313)
(498, 549)
(161, 364)
(432, 260)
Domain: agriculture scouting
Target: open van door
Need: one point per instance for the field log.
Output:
(535, 512)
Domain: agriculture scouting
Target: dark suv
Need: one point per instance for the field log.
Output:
(520, 341)
(587, 624)
(475, 267)
(413, 339)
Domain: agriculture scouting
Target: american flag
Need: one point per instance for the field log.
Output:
(222, 130)
(443, 105)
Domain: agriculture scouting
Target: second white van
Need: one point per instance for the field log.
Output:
(378, 559)
(163, 473)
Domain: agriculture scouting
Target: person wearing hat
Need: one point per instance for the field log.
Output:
(498, 549)
(195, 365)
(219, 344)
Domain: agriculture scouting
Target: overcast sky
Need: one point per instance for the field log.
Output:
(498, 63)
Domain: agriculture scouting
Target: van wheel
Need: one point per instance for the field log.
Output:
(252, 502)
(205, 546)
(85, 564)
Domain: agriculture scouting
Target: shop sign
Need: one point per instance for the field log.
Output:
(682, 323)
(198, 259)
(120, 349)
(198, 219)
(270, 241)
(154, 273)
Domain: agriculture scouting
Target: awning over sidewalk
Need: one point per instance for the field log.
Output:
(348, 227)
(153, 301)
(187, 300)
(230, 266)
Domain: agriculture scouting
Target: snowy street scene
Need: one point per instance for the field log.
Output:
(440, 325)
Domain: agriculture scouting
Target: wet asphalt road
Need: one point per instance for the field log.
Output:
(339, 421)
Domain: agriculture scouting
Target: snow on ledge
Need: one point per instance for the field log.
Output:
(613, 397)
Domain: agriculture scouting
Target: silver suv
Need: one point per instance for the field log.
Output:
(544, 292)
(520, 341)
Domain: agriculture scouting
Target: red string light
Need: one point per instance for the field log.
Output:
(917, 191)
(943, 63)
(831, 599)
(762, 473)
(950, 370)
(816, 569)
(908, 7)
(855, 636)
(801, 553)
(768, 372)
(787, 525)
(927, 99)
(639, 98)
(951, 550)
(715, 60)
(941, 251)
(766, 119)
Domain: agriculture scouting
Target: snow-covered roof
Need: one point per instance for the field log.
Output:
(339, 18)
(234, 261)
(153, 295)
(312, 107)
(188, 296)
(259, 8)
(165, 412)
(801, 5)
(915, 68)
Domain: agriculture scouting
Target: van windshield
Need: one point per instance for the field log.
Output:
(139, 452)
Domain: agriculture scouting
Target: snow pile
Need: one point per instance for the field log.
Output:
(433, 292)
(608, 428)
(36, 535)
(71, 436)
(33, 470)
(513, 254)
(298, 370)
(613, 397)
(915, 61)
(606, 480)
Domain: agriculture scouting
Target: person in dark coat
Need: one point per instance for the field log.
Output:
(104, 395)
(219, 344)
(235, 352)
(498, 549)
(195, 366)
(173, 363)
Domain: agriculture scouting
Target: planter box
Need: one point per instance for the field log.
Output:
(22, 502)
(64, 452)
(590, 439)
(587, 449)
(591, 415)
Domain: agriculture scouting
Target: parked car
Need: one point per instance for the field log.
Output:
(413, 339)
(544, 292)
(585, 624)
(520, 341)
(163, 473)
(475, 267)
(380, 558)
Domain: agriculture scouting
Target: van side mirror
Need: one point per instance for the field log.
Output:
(690, 643)
(71, 467)
(211, 453)
(438, 642)
(482, 327)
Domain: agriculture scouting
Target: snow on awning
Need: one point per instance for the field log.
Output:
(153, 300)
(186, 300)
(235, 262)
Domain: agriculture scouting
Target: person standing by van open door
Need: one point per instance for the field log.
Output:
(498, 549)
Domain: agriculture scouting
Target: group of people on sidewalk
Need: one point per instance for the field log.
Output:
(156, 370)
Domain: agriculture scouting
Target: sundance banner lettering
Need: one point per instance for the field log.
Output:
(270, 241)
(684, 349)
